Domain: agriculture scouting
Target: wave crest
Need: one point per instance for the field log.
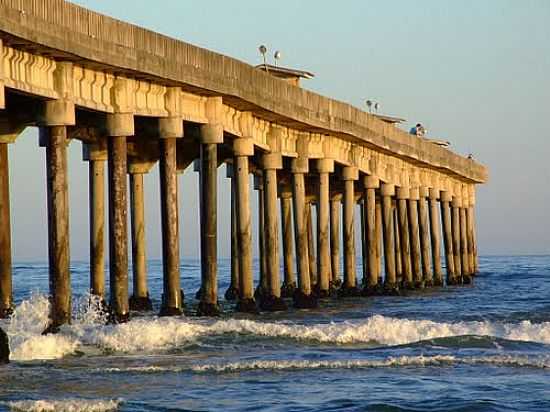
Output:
(159, 334)
(301, 364)
(64, 405)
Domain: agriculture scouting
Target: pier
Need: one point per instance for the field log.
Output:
(133, 98)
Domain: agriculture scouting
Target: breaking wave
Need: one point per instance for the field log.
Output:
(159, 334)
(64, 405)
(400, 361)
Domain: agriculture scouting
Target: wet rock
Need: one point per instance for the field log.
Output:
(231, 293)
(348, 291)
(391, 289)
(303, 301)
(4, 348)
(247, 306)
(208, 309)
(287, 290)
(141, 303)
(272, 303)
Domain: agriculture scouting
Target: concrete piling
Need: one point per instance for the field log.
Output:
(470, 235)
(349, 287)
(262, 286)
(172, 298)
(243, 148)
(289, 283)
(364, 251)
(425, 237)
(403, 194)
(335, 205)
(311, 246)
(447, 236)
(474, 242)
(397, 237)
(303, 296)
(378, 240)
(390, 282)
(6, 293)
(232, 292)
(139, 301)
(271, 298)
(55, 138)
(324, 167)
(371, 183)
(455, 229)
(96, 157)
(208, 305)
(118, 230)
(416, 264)
(435, 236)
(464, 247)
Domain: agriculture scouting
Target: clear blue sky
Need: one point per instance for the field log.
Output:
(474, 72)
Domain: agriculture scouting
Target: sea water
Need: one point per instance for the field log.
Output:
(484, 347)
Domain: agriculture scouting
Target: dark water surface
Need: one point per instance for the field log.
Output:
(479, 348)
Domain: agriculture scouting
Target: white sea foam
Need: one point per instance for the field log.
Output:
(64, 405)
(158, 334)
(401, 361)
(398, 361)
(25, 333)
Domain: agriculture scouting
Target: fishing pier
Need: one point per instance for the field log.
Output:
(133, 98)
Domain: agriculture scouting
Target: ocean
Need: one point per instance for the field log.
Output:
(484, 347)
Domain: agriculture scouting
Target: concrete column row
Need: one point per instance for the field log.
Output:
(414, 219)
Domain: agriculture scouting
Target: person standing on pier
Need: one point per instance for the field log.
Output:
(418, 130)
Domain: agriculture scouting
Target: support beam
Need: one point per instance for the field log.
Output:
(208, 305)
(2, 87)
(379, 242)
(55, 138)
(6, 293)
(403, 194)
(397, 237)
(435, 237)
(311, 246)
(471, 237)
(371, 183)
(172, 302)
(303, 297)
(243, 148)
(464, 247)
(474, 241)
(390, 281)
(455, 228)
(412, 208)
(324, 168)
(96, 176)
(289, 284)
(271, 299)
(364, 251)
(425, 237)
(232, 292)
(118, 230)
(56, 115)
(335, 205)
(262, 286)
(447, 236)
(349, 288)
(139, 301)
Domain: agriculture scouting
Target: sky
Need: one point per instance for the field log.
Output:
(473, 72)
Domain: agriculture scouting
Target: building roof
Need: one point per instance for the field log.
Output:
(389, 119)
(284, 71)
